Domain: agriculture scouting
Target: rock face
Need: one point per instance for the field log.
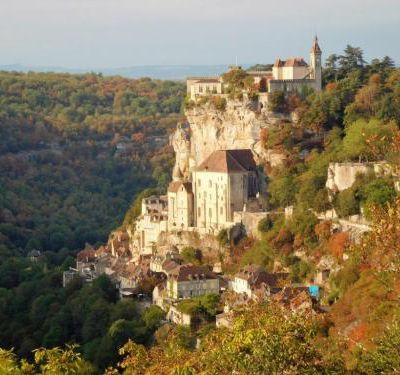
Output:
(237, 127)
(342, 176)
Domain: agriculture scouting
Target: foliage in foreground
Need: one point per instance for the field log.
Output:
(270, 344)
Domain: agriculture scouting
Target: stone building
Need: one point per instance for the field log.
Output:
(288, 75)
(189, 281)
(203, 86)
(180, 205)
(254, 282)
(152, 221)
(222, 184)
(294, 74)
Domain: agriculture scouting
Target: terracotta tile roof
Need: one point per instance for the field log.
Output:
(208, 80)
(279, 63)
(203, 79)
(189, 272)
(86, 255)
(297, 61)
(229, 161)
(293, 62)
(256, 276)
(169, 265)
(174, 186)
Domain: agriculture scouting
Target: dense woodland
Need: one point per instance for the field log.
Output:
(355, 118)
(62, 185)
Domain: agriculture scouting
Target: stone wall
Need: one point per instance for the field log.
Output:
(291, 85)
(250, 220)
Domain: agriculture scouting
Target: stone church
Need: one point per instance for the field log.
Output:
(221, 185)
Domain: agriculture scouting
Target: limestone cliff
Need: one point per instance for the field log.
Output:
(238, 126)
(342, 176)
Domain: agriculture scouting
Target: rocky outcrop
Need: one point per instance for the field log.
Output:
(342, 176)
(237, 127)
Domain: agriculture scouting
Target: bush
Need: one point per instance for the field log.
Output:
(223, 237)
(264, 225)
(218, 102)
(346, 203)
(377, 193)
(277, 102)
(191, 255)
(368, 140)
(303, 223)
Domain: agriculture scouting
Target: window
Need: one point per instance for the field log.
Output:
(210, 213)
(198, 211)
(199, 182)
(210, 184)
(221, 210)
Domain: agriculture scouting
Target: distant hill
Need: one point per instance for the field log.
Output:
(168, 72)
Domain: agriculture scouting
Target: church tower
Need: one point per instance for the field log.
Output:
(316, 64)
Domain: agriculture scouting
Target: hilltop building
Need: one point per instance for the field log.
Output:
(287, 75)
(295, 73)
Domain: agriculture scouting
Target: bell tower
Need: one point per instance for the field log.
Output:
(316, 64)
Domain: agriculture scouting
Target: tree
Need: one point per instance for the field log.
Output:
(191, 255)
(352, 59)
(367, 139)
(223, 237)
(153, 317)
(346, 203)
(384, 359)
(277, 102)
(47, 362)
(265, 224)
(274, 343)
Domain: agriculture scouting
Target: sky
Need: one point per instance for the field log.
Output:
(123, 33)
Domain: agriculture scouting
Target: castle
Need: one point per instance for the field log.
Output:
(287, 75)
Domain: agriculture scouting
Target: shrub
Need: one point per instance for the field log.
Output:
(277, 102)
(218, 102)
(264, 225)
(346, 203)
(223, 237)
(191, 255)
(377, 193)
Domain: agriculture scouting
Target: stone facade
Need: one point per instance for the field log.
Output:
(191, 281)
(287, 75)
(222, 184)
(152, 221)
(203, 86)
(180, 205)
(295, 74)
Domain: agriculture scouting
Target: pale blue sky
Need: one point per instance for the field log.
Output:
(117, 33)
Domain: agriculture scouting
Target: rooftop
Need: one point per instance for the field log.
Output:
(227, 161)
(292, 62)
(176, 185)
(189, 272)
